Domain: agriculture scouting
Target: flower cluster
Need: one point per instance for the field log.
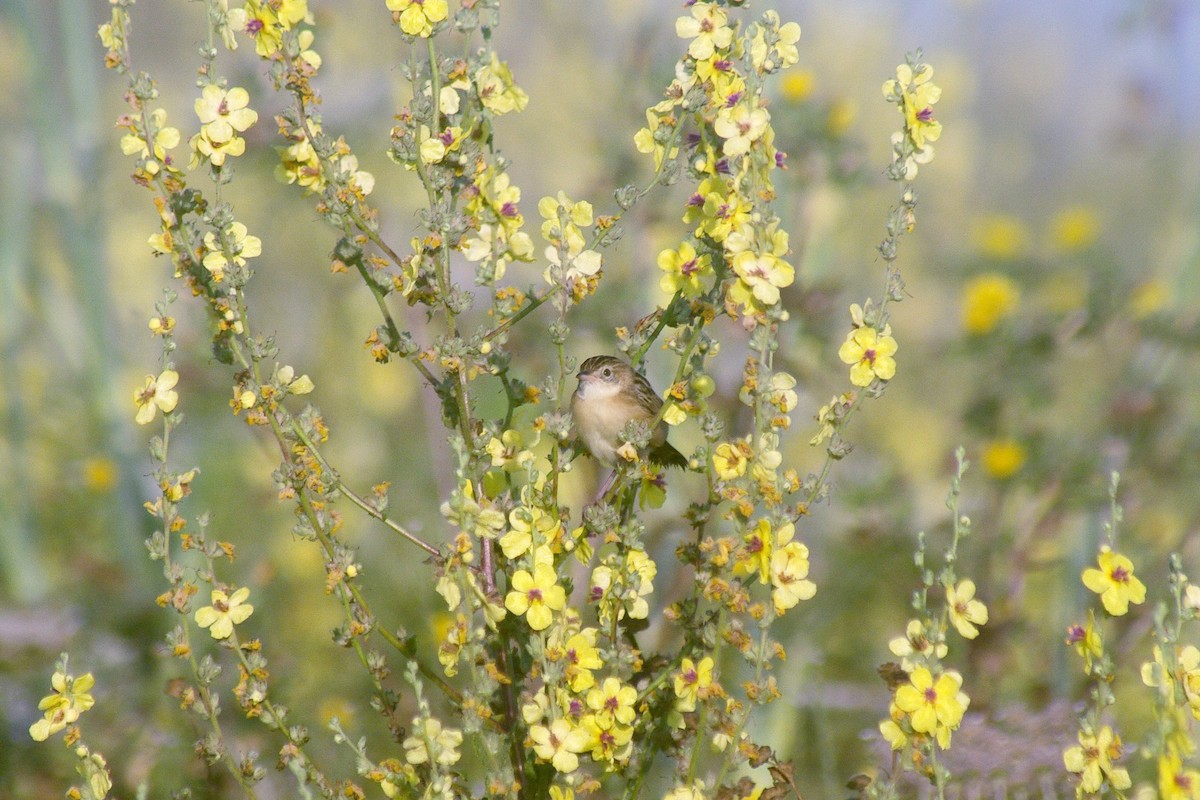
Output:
(223, 113)
(914, 94)
(928, 702)
(71, 697)
(573, 264)
(719, 91)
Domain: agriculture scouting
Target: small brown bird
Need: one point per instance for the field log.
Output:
(611, 394)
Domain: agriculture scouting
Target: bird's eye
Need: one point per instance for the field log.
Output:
(606, 372)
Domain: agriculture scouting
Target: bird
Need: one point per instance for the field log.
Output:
(610, 394)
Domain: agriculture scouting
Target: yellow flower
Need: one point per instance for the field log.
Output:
(706, 28)
(582, 657)
(1075, 228)
(691, 679)
(987, 300)
(1092, 761)
(1003, 458)
(934, 707)
(916, 644)
(1175, 782)
(759, 543)
(434, 147)
(610, 743)
(915, 93)
(684, 271)
(224, 113)
(559, 743)
(1001, 236)
(225, 612)
(524, 522)
(508, 452)
(1189, 672)
(760, 277)
(235, 245)
(612, 703)
(157, 394)
(261, 23)
(165, 138)
(71, 698)
(789, 571)
(417, 17)
(965, 611)
(429, 731)
(870, 355)
(731, 458)
(741, 126)
(1114, 581)
(1086, 640)
(536, 596)
(497, 90)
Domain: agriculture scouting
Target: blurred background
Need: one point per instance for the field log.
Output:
(1051, 329)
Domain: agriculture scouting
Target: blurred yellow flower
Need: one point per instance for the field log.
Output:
(988, 299)
(1174, 781)
(1114, 581)
(798, 84)
(100, 474)
(1075, 228)
(840, 117)
(1001, 236)
(1003, 458)
(1149, 298)
(427, 732)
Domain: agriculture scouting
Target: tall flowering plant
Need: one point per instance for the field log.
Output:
(542, 684)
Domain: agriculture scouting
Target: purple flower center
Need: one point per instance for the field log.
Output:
(689, 267)
(535, 595)
(509, 209)
(696, 200)
(930, 695)
(1120, 575)
(254, 27)
(925, 114)
(869, 356)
